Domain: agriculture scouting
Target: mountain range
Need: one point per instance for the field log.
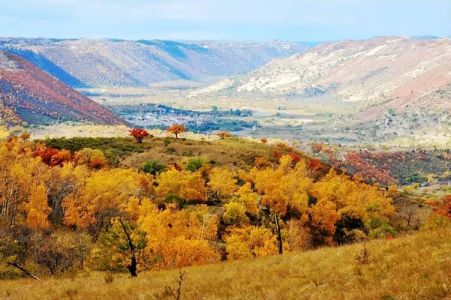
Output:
(384, 74)
(125, 63)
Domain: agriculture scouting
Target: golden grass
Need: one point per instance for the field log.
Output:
(416, 266)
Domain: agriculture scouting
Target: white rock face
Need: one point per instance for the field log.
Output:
(380, 70)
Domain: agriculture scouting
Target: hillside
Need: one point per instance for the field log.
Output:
(89, 210)
(124, 152)
(30, 95)
(384, 73)
(94, 63)
(411, 267)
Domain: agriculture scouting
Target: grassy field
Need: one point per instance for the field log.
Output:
(416, 266)
(125, 152)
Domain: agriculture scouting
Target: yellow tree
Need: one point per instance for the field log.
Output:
(181, 186)
(222, 183)
(247, 198)
(19, 174)
(178, 238)
(250, 241)
(235, 214)
(283, 189)
(102, 196)
(94, 158)
(37, 209)
(356, 205)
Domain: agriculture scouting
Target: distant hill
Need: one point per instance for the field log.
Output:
(30, 95)
(384, 72)
(95, 63)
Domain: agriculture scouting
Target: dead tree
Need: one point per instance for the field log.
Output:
(16, 265)
(175, 292)
(179, 285)
(278, 233)
(132, 267)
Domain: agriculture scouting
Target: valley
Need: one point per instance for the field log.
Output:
(377, 92)
(320, 118)
(211, 149)
(219, 161)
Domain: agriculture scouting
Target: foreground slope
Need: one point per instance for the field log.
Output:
(31, 95)
(94, 63)
(416, 266)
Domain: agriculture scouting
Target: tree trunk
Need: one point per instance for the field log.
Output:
(82, 254)
(178, 293)
(279, 234)
(409, 218)
(132, 267)
(23, 270)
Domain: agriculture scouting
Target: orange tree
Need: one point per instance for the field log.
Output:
(224, 134)
(176, 129)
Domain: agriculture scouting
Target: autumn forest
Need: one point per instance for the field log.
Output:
(62, 211)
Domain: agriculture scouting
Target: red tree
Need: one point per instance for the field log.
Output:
(52, 156)
(139, 134)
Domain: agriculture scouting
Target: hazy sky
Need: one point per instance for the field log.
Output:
(297, 20)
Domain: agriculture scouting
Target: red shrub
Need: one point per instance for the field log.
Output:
(52, 156)
(314, 164)
(139, 134)
(295, 158)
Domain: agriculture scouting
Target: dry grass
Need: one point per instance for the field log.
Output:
(411, 267)
(125, 152)
(232, 152)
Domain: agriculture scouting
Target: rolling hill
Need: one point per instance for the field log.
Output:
(30, 95)
(95, 63)
(384, 72)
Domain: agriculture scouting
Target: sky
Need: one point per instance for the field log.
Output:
(255, 20)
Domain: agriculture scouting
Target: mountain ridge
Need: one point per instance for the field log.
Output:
(114, 62)
(385, 72)
(30, 95)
